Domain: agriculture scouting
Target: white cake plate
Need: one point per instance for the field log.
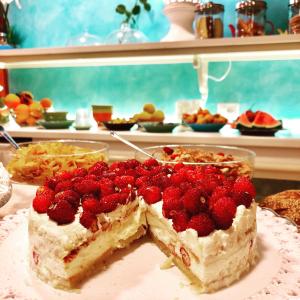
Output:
(135, 273)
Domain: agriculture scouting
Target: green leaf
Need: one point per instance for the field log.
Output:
(121, 9)
(136, 10)
(147, 6)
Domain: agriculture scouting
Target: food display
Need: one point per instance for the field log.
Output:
(257, 123)
(149, 114)
(25, 109)
(209, 20)
(203, 116)
(201, 219)
(34, 162)
(286, 204)
(294, 16)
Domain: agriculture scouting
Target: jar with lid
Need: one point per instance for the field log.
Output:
(251, 18)
(294, 16)
(209, 20)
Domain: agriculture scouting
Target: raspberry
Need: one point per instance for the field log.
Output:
(151, 194)
(141, 181)
(171, 200)
(180, 220)
(89, 221)
(72, 197)
(88, 196)
(91, 177)
(63, 186)
(156, 170)
(177, 178)
(110, 175)
(79, 172)
(132, 163)
(219, 192)
(124, 181)
(61, 212)
(208, 185)
(184, 186)
(76, 180)
(161, 180)
(150, 163)
(191, 176)
(178, 166)
(86, 186)
(223, 212)
(107, 187)
(91, 205)
(51, 183)
(168, 150)
(242, 198)
(45, 191)
(109, 203)
(244, 184)
(210, 169)
(202, 223)
(130, 172)
(41, 203)
(129, 192)
(63, 175)
(98, 168)
(141, 171)
(192, 201)
(117, 165)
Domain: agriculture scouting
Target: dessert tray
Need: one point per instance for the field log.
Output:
(136, 273)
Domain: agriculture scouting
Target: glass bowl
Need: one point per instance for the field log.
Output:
(232, 161)
(35, 161)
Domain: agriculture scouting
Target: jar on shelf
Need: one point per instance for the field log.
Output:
(294, 16)
(209, 20)
(251, 18)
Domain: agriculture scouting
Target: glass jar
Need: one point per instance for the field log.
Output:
(294, 16)
(251, 18)
(209, 20)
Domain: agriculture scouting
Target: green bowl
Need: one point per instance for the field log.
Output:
(56, 124)
(55, 116)
(158, 127)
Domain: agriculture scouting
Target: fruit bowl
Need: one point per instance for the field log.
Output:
(232, 161)
(35, 161)
(158, 127)
(205, 127)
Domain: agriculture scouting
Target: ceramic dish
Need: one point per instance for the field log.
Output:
(118, 127)
(55, 124)
(158, 127)
(205, 127)
(258, 131)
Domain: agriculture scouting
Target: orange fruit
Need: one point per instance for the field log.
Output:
(46, 102)
(12, 101)
(31, 121)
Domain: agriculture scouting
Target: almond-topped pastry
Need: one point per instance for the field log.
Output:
(286, 203)
(204, 220)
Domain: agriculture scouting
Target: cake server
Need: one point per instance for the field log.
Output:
(8, 137)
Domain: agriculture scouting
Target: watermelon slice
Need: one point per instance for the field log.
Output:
(265, 120)
(244, 121)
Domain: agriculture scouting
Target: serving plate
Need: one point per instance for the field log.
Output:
(205, 127)
(158, 127)
(134, 273)
(56, 124)
(119, 127)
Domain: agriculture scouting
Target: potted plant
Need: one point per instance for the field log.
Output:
(128, 32)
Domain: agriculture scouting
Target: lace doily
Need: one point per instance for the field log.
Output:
(283, 234)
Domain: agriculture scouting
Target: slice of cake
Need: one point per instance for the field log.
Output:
(197, 215)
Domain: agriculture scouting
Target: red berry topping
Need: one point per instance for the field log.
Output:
(202, 223)
(41, 203)
(242, 198)
(70, 196)
(210, 169)
(219, 192)
(91, 177)
(223, 212)
(132, 163)
(150, 163)
(45, 191)
(193, 202)
(86, 186)
(151, 194)
(180, 220)
(161, 180)
(141, 181)
(98, 168)
(178, 166)
(244, 184)
(141, 171)
(171, 201)
(91, 205)
(89, 221)
(63, 175)
(107, 187)
(168, 150)
(61, 212)
(79, 172)
(63, 186)
(177, 178)
(124, 181)
(110, 202)
(51, 183)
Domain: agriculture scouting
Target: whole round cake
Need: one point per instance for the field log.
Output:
(203, 220)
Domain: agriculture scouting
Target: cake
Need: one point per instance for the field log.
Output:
(203, 220)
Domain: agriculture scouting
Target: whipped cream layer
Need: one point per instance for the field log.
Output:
(217, 259)
(59, 252)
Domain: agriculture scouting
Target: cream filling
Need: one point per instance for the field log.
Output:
(51, 243)
(224, 253)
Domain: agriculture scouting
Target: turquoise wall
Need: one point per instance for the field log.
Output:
(271, 86)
